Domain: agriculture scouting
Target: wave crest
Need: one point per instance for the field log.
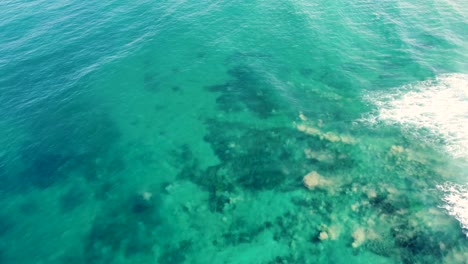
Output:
(456, 202)
(434, 110)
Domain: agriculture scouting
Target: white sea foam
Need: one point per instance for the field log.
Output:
(439, 107)
(435, 111)
(456, 202)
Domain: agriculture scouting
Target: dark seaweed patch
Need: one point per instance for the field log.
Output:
(283, 260)
(29, 207)
(126, 227)
(190, 170)
(151, 83)
(176, 88)
(104, 189)
(70, 139)
(6, 224)
(70, 258)
(44, 170)
(261, 174)
(216, 179)
(286, 227)
(386, 205)
(217, 201)
(241, 232)
(175, 254)
(183, 154)
(384, 247)
(257, 159)
(74, 197)
(201, 55)
(306, 72)
(420, 243)
(247, 88)
(74, 131)
(141, 204)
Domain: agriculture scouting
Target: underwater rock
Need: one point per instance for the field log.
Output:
(371, 194)
(396, 149)
(333, 232)
(323, 236)
(328, 232)
(359, 237)
(314, 180)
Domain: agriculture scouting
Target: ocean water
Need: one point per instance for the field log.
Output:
(184, 131)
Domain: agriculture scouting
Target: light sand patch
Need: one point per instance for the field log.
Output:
(371, 194)
(397, 149)
(308, 127)
(323, 236)
(321, 156)
(359, 236)
(314, 180)
(334, 232)
(329, 232)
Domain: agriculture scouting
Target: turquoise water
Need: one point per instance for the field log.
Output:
(234, 131)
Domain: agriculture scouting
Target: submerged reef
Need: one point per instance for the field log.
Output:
(258, 159)
(315, 167)
(298, 192)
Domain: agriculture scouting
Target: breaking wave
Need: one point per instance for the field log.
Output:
(435, 111)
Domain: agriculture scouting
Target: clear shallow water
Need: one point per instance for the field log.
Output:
(233, 132)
